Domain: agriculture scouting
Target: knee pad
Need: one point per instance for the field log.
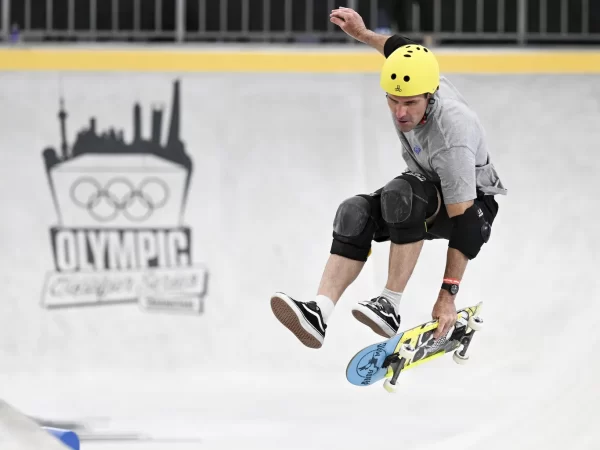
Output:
(470, 231)
(406, 202)
(351, 217)
(353, 228)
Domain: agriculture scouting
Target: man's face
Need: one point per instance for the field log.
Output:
(408, 111)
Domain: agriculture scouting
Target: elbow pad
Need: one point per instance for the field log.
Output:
(470, 231)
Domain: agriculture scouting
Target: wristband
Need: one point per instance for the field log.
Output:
(451, 285)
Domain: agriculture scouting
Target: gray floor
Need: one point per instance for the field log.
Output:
(273, 156)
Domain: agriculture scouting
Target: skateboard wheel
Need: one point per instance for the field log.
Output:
(475, 323)
(407, 352)
(388, 386)
(458, 359)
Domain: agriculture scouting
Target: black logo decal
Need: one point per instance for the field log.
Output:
(120, 235)
(370, 363)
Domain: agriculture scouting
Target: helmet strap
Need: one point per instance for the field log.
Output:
(428, 110)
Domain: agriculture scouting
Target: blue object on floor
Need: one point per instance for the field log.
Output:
(69, 438)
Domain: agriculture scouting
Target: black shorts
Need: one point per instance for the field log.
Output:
(441, 228)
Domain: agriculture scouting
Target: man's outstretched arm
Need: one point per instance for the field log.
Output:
(352, 24)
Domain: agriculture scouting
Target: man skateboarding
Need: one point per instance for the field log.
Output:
(446, 192)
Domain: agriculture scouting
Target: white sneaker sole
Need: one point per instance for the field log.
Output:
(288, 314)
(369, 318)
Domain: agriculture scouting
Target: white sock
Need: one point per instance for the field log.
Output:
(326, 305)
(393, 297)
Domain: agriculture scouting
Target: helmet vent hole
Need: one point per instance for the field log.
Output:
(407, 56)
(418, 48)
(410, 51)
(393, 76)
(408, 46)
(406, 78)
(425, 50)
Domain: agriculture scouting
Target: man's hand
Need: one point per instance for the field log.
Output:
(350, 22)
(444, 311)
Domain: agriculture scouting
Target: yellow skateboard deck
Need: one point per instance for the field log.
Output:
(410, 348)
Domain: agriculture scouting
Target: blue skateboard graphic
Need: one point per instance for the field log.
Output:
(366, 367)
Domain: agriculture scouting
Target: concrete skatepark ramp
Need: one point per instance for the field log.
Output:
(150, 216)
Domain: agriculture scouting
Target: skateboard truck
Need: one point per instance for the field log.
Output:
(397, 361)
(475, 324)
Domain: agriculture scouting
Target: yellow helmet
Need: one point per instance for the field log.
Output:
(410, 70)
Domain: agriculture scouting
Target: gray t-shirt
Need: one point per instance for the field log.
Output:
(450, 149)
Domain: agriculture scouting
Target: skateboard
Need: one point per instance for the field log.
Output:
(410, 348)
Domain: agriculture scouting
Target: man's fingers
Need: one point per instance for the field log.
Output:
(341, 17)
(439, 332)
(439, 329)
(339, 22)
(444, 330)
(344, 13)
(341, 14)
(443, 327)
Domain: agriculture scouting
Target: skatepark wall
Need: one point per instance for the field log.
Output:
(153, 204)
(154, 200)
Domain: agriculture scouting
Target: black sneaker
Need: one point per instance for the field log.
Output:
(379, 314)
(304, 319)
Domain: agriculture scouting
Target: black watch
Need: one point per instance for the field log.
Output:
(450, 287)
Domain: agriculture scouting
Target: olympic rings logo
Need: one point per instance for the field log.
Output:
(119, 195)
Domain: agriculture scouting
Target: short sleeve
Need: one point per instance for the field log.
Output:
(455, 167)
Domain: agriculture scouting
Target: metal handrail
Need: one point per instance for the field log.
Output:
(299, 20)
